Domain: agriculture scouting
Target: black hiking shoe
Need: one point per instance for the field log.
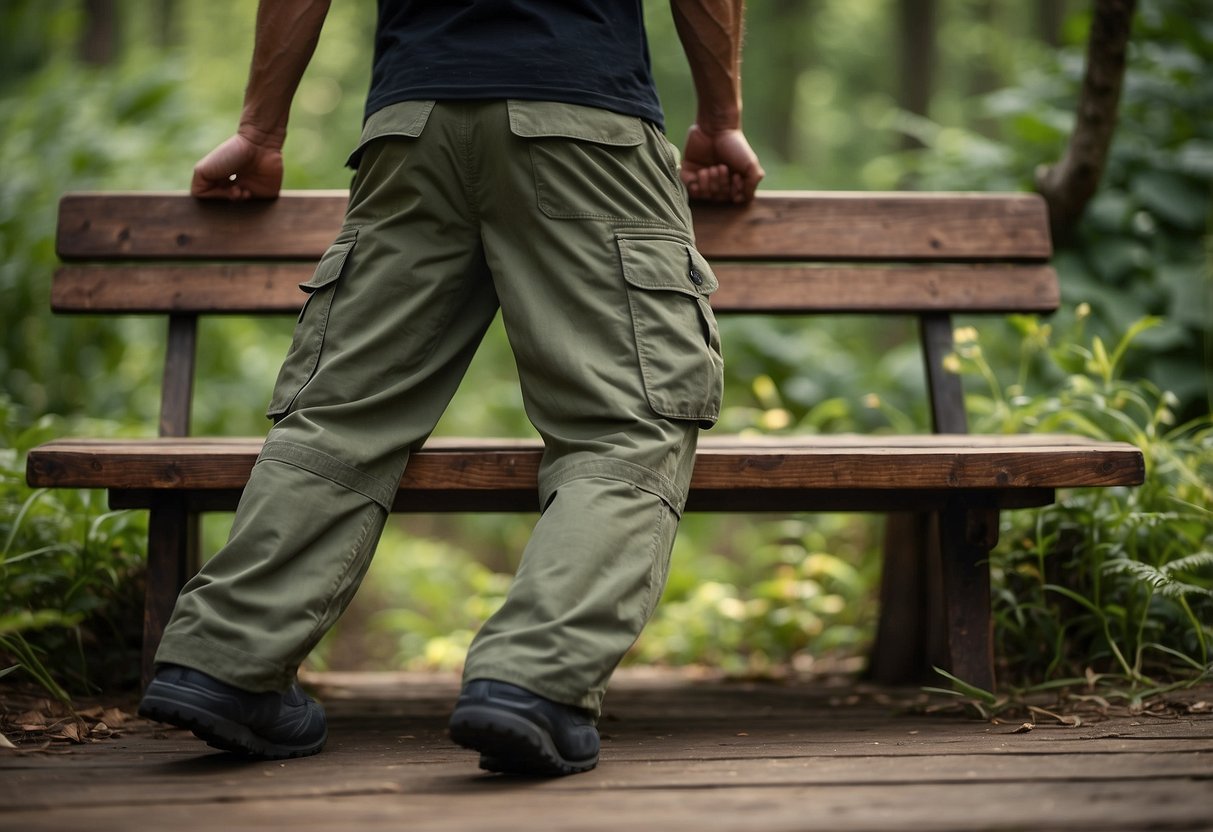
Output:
(271, 726)
(519, 732)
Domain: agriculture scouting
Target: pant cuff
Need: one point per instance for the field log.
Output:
(227, 664)
(590, 700)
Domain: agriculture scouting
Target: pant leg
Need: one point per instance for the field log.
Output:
(604, 299)
(398, 306)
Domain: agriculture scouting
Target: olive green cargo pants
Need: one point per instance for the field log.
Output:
(572, 221)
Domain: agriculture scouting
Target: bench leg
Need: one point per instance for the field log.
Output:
(172, 549)
(911, 634)
(967, 535)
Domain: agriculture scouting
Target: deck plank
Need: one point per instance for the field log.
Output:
(693, 753)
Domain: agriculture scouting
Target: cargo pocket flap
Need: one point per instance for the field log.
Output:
(548, 119)
(406, 119)
(331, 264)
(645, 266)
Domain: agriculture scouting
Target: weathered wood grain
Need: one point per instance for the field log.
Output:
(780, 226)
(470, 804)
(731, 463)
(877, 226)
(701, 754)
(641, 766)
(272, 288)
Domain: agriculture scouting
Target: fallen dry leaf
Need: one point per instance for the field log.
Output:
(6, 743)
(114, 717)
(1023, 729)
(69, 730)
(1068, 720)
(28, 718)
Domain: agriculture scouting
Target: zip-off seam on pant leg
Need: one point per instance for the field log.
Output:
(332, 469)
(643, 478)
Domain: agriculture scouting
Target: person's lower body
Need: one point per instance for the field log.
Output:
(572, 222)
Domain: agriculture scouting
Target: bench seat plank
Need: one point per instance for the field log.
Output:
(272, 288)
(871, 463)
(788, 225)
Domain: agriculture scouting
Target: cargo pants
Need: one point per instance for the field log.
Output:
(573, 223)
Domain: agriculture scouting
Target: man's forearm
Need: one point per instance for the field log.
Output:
(710, 31)
(287, 32)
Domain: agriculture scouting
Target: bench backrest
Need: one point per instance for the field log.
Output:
(931, 255)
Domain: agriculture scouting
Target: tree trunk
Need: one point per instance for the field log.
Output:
(984, 77)
(916, 61)
(778, 40)
(1069, 185)
(1050, 14)
(167, 31)
(99, 38)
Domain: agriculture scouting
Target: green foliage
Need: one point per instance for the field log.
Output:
(777, 596)
(1117, 581)
(70, 572)
(72, 130)
(1141, 248)
(821, 374)
(418, 609)
(781, 597)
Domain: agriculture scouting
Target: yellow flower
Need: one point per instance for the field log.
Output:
(776, 419)
(965, 334)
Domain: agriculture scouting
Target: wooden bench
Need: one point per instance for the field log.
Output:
(927, 255)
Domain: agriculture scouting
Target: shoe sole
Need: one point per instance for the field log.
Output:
(218, 731)
(511, 744)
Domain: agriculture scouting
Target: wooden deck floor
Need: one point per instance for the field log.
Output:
(678, 753)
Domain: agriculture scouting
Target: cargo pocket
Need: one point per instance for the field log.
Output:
(304, 355)
(668, 284)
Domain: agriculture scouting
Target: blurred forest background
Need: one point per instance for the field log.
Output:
(839, 94)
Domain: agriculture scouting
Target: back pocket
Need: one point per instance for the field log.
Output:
(677, 341)
(308, 341)
(592, 164)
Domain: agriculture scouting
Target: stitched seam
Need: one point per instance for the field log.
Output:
(465, 141)
(341, 578)
(641, 477)
(330, 468)
(654, 571)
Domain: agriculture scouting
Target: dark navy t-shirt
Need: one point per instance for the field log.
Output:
(591, 52)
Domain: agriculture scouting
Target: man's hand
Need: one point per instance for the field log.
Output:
(239, 169)
(720, 166)
(249, 164)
